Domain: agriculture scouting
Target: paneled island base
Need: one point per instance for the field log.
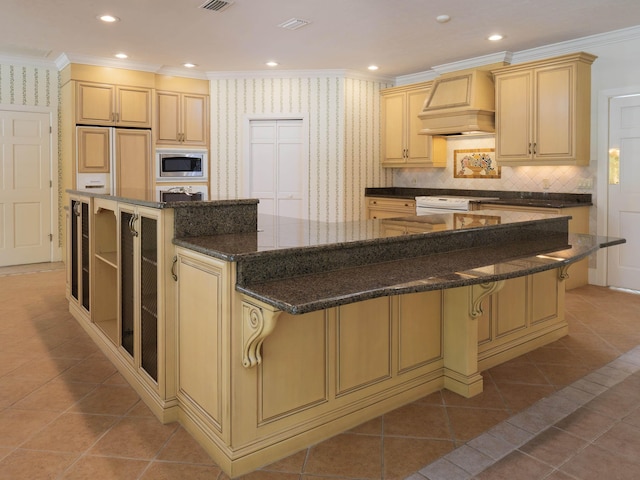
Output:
(261, 384)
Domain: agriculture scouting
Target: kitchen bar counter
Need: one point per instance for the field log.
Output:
(320, 266)
(265, 335)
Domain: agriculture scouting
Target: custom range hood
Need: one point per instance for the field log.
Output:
(460, 103)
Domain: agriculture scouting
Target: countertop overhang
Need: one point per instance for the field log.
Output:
(334, 269)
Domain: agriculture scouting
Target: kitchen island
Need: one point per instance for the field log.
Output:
(276, 333)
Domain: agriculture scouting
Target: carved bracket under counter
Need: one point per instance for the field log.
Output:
(257, 324)
(563, 272)
(480, 292)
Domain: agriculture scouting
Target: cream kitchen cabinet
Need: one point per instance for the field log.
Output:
(132, 158)
(382, 207)
(113, 105)
(123, 267)
(543, 112)
(182, 119)
(79, 256)
(402, 144)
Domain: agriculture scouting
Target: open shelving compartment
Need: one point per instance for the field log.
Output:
(105, 286)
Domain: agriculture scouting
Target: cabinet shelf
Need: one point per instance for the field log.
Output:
(110, 258)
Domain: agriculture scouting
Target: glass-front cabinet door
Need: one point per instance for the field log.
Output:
(139, 287)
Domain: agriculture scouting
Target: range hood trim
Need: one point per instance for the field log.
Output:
(460, 103)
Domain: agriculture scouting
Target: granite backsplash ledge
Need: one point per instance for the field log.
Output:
(541, 235)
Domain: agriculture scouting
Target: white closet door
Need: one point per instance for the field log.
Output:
(25, 191)
(277, 168)
(623, 269)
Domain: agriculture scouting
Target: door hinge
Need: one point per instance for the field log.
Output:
(50, 183)
(50, 129)
(51, 237)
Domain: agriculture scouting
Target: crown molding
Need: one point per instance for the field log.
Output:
(546, 51)
(182, 72)
(577, 45)
(282, 74)
(67, 58)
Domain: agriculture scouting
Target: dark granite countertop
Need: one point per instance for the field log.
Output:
(300, 266)
(520, 198)
(148, 198)
(303, 294)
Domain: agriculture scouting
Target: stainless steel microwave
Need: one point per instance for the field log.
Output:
(175, 164)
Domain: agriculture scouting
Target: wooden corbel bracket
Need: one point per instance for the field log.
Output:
(257, 324)
(480, 292)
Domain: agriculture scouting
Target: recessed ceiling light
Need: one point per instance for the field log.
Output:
(372, 67)
(495, 37)
(189, 65)
(108, 18)
(443, 18)
(122, 55)
(272, 64)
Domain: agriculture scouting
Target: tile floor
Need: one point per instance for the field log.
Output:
(563, 411)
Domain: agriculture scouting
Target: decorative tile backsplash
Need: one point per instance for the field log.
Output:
(560, 179)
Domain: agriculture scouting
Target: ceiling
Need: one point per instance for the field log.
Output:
(400, 36)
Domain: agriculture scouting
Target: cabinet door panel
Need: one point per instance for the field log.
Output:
(127, 287)
(194, 119)
(134, 107)
(149, 296)
(393, 140)
(418, 145)
(95, 104)
(94, 150)
(513, 116)
(554, 106)
(133, 160)
(168, 117)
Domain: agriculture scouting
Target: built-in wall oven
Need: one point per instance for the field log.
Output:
(181, 164)
(181, 193)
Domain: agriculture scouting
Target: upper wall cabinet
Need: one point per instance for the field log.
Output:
(543, 112)
(402, 144)
(183, 119)
(113, 105)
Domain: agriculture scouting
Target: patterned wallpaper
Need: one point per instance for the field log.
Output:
(34, 86)
(343, 115)
(28, 86)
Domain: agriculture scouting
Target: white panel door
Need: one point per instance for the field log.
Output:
(25, 192)
(277, 167)
(623, 269)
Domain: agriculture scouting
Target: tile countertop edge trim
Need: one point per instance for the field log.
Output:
(415, 287)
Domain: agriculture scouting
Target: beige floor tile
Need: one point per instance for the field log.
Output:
(16, 426)
(520, 396)
(403, 456)
(93, 369)
(586, 424)
(468, 423)
(70, 432)
(418, 420)
(56, 396)
(134, 437)
(347, 455)
(33, 465)
(104, 468)
(622, 439)
(179, 471)
(553, 446)
(291, 464)
(594, 463)
(516, 466)
(13, 389)
(181, 447)
(108, 400)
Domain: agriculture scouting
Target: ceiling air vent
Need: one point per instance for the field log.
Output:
(294, 24)
(216, 5)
